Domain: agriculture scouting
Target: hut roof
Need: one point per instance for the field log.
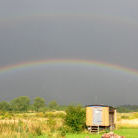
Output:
(100, 105)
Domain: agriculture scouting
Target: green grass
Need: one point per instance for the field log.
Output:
(128, 133)
(83, 135)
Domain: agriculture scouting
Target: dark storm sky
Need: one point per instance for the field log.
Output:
(106, 30)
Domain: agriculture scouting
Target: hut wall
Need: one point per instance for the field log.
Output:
(89, 116)
(115, 116)
(105, 116)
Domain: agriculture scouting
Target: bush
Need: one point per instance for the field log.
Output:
(75, 118)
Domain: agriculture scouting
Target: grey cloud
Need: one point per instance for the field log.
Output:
(94, 30)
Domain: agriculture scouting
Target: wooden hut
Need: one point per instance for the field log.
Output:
(100, 117)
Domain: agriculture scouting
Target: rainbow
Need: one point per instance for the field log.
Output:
(115, 19)
(93, 63)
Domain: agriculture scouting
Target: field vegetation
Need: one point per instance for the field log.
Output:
(25, 119)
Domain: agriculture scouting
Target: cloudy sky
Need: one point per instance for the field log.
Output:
(32, 30)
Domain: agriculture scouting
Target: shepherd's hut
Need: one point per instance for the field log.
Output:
(100, 117)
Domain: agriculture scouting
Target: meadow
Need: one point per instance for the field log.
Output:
(48, 124)
(128, 133)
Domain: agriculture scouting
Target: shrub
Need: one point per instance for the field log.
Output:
(75, 118)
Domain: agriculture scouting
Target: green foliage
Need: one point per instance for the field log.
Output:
(123, 110)
(61, 107)
(4, 106)
(127, 108)
(75, 118)
(20, 103)
(43, 109)
(53, 105)
(31, 107)
(64, 130)
(39, 103)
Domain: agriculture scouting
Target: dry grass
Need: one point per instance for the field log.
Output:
(127, 120)
(31, 124)
(24, 125)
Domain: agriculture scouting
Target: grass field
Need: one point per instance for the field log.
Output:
(128, 133)
(43, 125)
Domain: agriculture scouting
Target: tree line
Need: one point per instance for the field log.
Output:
(127, 108)
(24, 104)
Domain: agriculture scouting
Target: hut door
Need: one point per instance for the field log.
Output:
(97, 116)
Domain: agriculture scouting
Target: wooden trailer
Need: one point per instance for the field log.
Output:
(100, 117)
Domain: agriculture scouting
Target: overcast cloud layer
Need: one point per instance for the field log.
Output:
(75, 29)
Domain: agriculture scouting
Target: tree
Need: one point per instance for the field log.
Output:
(39, 103)
(4, 106)
(20, 103)
(53, 105)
